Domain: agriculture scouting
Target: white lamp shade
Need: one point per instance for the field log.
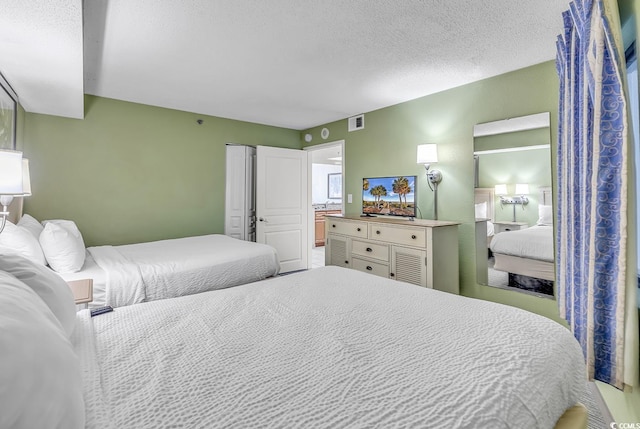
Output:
(427, 153)
(10, 172)
(522, 188)
(26, 178)
(501, 189)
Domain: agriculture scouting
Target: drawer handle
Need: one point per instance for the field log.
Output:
(369, 267)
(369, 249)
(378, 232)
(391, 275)
(346, 262)
(413, 237)
(333, 225)
(358, 230)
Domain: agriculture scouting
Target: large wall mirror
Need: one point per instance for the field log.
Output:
(513, 204)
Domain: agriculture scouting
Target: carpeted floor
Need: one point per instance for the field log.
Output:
(599, 415)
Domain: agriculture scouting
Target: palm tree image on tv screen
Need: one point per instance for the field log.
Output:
(393, 196)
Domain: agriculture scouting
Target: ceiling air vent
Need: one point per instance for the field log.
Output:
(356, 123)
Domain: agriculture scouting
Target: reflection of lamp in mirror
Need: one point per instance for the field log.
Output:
(522, 189)
(427, 155)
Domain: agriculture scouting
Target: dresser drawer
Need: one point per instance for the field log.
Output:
(370, 250)
(374, 268)
(398, 235)
(353, 229)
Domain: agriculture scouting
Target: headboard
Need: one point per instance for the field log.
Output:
(545, 197)
(487, 195)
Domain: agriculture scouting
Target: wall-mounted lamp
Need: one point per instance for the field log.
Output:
(522, 189)
(427, 155)
(12, 180)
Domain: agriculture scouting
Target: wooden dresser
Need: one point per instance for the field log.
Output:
(422, 252)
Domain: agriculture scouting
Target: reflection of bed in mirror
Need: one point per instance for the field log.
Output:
(528, 255)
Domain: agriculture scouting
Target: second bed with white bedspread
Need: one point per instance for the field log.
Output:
(141, 272)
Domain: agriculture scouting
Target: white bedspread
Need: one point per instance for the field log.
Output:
(327, 348)
(533, 243)
(170, 268)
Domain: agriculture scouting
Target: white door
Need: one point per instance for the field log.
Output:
(239, 206)
(281, 204)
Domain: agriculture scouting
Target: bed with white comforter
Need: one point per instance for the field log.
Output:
(528, 252)
(535, 242)
(155, 270)
(134, 273)
(327, 348)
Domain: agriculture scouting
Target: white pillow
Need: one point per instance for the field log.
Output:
(31, 224)
(545, 215)
(49, 286)
(19, 241)
(481, 210)
(63, 246)
(39, 372)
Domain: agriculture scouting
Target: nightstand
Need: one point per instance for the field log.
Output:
(82, 291)
(504, 226)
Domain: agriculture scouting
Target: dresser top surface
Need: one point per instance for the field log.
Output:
(399, 221)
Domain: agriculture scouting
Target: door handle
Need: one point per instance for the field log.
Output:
(262, 219)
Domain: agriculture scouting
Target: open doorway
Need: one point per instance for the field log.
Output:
(326, 173)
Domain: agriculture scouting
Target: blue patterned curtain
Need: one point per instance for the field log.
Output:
(592, 186)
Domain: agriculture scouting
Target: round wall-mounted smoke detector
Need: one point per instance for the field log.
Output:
(324, 133)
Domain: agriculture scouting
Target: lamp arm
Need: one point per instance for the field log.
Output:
(5, 200)
(426, 167)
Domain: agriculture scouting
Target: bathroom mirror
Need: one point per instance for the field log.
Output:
(513, 204)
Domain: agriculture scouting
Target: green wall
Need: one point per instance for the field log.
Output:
(130, 172)
(387, 146)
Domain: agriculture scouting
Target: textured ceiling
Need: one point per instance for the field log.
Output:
(41, 54)
(288, 63)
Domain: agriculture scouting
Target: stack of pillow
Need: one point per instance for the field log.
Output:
(40, 375)
(57, 243)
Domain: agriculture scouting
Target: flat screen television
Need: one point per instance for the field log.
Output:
(392, 196)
